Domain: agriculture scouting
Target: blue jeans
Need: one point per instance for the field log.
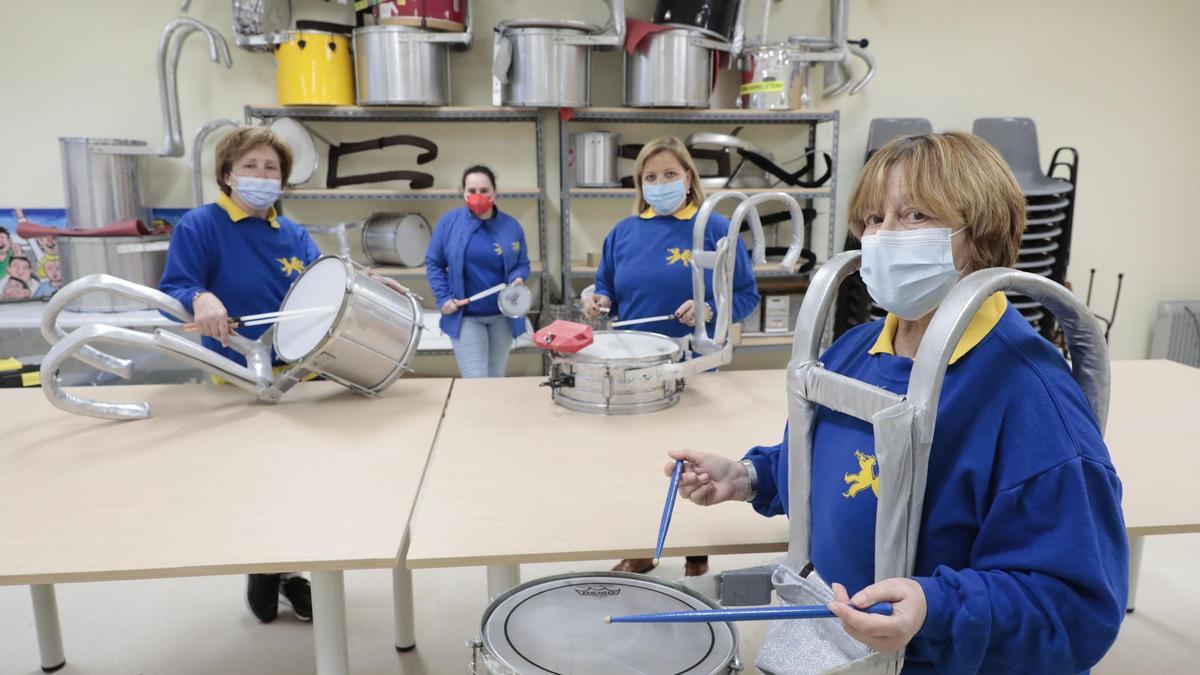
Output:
(482, 345)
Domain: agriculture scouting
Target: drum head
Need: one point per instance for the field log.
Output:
(515, 301)
(556, 625)
(323, 284)
(628, 345)
(304, 151)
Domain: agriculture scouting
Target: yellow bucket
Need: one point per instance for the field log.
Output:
(314, 68)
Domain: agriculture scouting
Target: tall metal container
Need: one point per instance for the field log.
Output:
(102, 181)
(137, 259)
(671, 69)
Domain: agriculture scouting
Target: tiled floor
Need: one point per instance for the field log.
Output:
(201, 626)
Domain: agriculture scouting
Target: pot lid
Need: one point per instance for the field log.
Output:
(565, 24)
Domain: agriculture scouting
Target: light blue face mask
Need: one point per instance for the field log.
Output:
(909, 273)
(258, 193)
(665, 198)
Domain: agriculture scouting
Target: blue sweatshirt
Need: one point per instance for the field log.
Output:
(247, 262)
(646, 269)
(486, 270)
(449, 257)
(1022, 555)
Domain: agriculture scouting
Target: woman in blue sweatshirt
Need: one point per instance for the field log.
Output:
(474, 248)
(237, 257)
(646, 266)
(1022, 560)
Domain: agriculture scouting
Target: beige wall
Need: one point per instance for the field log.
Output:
(89, 71)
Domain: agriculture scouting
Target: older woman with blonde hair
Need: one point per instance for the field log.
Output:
(646, 271)
(1022, 561)
(237, 256)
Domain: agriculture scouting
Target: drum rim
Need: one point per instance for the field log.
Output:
(526, 291)
(337, 319)
(487, 646)
(579, 358)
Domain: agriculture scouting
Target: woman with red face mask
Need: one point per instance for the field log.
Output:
(474, 248)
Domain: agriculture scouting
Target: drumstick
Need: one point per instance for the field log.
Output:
(649, 319)
(744, 614)
(268, 317)
(667, 509)
(491, 291)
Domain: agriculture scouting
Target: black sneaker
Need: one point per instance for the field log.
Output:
(296, 593)
(262, 596)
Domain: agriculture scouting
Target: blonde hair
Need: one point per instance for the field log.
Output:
(241, 141)
(675, 147)
(957, 178)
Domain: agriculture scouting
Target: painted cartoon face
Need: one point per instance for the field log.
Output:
(21, 269)
(15, 289)
(49, 245)
(54, 273)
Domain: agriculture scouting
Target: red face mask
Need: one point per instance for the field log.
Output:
(480, 204)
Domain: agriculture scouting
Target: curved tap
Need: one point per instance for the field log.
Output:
(169, 46)
(197, 150)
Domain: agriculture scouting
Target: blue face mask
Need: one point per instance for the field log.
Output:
(909, 273)
(258, 193)
(665, 198)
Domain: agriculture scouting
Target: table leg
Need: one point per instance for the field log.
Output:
(500, 578)
(402, 602)
(49, 633)
(1135, 568)
(329, 623)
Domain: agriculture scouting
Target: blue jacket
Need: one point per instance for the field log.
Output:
(646, 269)
(1022, 556)
(247, 262)
(446, 259)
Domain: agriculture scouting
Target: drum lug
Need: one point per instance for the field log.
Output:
(475, 646)
(558, 381)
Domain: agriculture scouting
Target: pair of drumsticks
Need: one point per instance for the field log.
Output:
(268, 317)
(733, 614)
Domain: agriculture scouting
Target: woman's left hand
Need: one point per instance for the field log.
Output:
(517, 282)
(879, 632)
(687, 313)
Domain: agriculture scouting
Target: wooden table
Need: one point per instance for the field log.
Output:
(215, 483)
(517, 478)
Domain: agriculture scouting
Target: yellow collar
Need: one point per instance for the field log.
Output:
(236, 214)
(684, 213)
(981, 324)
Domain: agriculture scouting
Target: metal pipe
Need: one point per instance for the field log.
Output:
(197, 157)
(169, 46)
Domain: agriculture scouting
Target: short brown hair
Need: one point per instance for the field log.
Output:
(676, 147)
(244, 139)
(957, 178)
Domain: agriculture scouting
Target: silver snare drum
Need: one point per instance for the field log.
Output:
(556, 625)
(366, 344)
(593, 379)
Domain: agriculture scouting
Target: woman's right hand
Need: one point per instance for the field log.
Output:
(596, 305)
(211, 317)
(709, 479)
(452, 305)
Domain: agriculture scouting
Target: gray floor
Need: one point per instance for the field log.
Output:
(201, 626)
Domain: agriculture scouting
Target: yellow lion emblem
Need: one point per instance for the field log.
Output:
(866, 476)
(497, 249)
(289, 266)
(679, 255)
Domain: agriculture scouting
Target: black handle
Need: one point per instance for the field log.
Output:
(864, 43)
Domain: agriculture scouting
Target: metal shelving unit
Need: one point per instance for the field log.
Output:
(810, 119)
(402, 114)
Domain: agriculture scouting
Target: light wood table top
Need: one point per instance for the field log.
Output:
(213, 483)
(1153, 436)
(517, 478)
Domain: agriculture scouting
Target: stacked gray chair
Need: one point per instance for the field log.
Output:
(1050, 206)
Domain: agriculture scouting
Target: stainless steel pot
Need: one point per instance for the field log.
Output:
(101, 180)
(544, 63)
(396, 239)
(671, 69)
(399, 65)
(774, 77)
(593, 159)
(137, 259)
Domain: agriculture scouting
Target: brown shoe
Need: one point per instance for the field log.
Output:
(636, 565)
(695, 566)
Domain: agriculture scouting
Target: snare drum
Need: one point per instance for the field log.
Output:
(593, 379)
(396, 239)
(447, 15)
(367, 343)
(556, 625)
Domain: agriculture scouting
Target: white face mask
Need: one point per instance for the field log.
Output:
(258, 193)
(909, 273)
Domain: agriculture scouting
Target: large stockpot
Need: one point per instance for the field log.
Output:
(102, 184)
(398, 65)
(137, 259)
(593, 159)
(714, 17)
(774, 77)
(544, 63)
(396, 239)
(670, 69)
